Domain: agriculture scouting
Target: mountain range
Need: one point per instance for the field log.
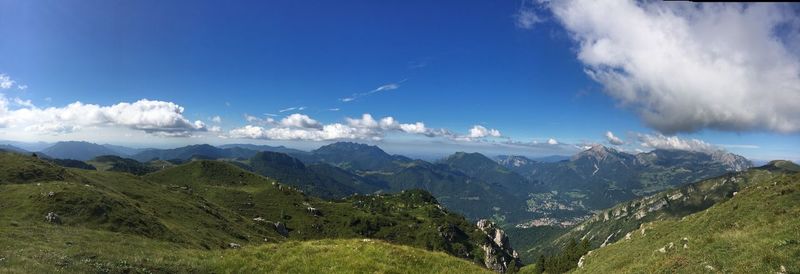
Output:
(600, 177)
(540, 203)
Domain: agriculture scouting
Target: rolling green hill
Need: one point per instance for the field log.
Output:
(204, 206)
(119, 164)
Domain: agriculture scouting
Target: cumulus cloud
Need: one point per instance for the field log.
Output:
(478, 131)
(688, 67)
(300, 121)
(386, 87)
(660, 141)
(552, 141)
(156, 117)
(302, 127)
(415, 128)
(614, 140)
(216, 119)
(327, 132)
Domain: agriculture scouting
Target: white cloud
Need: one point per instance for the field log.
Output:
(23, 103)
(258, 121)
(660, 141)
(527, 17)
(327, 132)
(22, 87)
(298, 120)
(614, 140)
(478, 131)
(387, 87)
(415, 128)
(292, 109)
(552, 141)
(302, 127)
(216, 119)
(145, 115)
(366, 121)
(740, 146)
(687, 67)
(6, 82)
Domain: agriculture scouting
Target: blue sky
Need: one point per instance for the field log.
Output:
(449, 64)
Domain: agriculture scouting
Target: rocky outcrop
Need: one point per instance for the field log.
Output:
(498, 254)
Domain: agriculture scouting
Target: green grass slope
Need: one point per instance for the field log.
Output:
(201, 206)
(613, 224)
(18, 168)
(52, 248)
(755, 231)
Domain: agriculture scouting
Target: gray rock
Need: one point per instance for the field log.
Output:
(52, 218)
(234, 245)
(498, 254)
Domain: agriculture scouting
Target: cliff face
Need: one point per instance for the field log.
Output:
(498, 254)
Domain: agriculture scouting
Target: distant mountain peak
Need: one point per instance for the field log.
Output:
(350, 146)
(467, 156)
(596, 152)
(514, 160)
(77, 150)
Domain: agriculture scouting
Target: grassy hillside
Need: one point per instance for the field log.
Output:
(18, 168)
(755, 231)
(51, 248)
(203, 206)
(614, 223)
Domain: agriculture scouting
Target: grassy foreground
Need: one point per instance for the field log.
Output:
(50, 249)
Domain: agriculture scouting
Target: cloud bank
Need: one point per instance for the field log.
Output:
(155, 117)
(688, 67)
(659, 141)
(302, 127)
